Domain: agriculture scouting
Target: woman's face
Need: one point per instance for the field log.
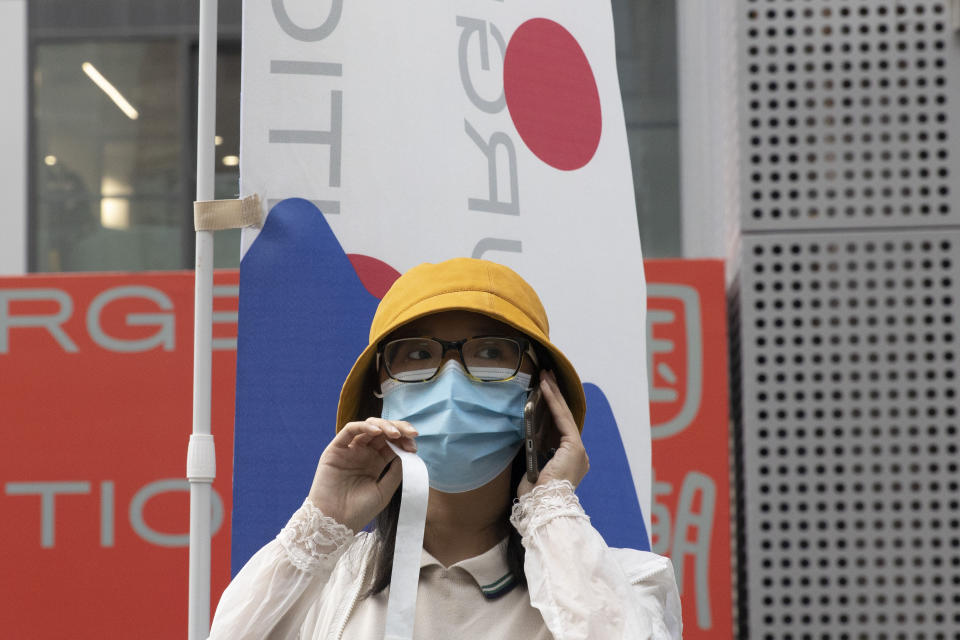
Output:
(457, 325)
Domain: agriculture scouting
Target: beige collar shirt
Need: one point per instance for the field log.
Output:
(474, 598)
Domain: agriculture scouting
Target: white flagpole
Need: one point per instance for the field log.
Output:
(201, 461)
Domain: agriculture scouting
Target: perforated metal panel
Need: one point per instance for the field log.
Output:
(846, 113)
(849, 363)
(846, 328)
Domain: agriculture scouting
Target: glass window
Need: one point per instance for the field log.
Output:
(646, 36)
(226, 246)
(108, 183)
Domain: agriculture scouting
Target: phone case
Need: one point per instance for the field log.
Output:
(532, 428)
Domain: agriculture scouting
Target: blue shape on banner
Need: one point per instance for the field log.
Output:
(607, 491)
(304, 316)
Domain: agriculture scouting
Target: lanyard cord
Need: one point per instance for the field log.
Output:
(405, 575)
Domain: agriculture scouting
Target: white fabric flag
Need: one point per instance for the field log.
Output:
(433, 129)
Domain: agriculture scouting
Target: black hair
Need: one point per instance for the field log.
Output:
(385, 532)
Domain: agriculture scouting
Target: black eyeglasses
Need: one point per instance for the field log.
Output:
(485, 358)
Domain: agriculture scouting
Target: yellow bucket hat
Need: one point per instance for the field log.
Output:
(460, 284)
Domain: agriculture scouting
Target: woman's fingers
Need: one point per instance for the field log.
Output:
(366, 439)
(358, 471)
(351, 430)
(389, 428)
(394, 428)
(402, 433)
(570, 462)
(562, 416)
(355, 434)
(406, 428)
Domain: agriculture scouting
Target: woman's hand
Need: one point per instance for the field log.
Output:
(570, 462)
(358, 472)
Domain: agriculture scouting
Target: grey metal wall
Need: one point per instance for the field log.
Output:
(847, 320)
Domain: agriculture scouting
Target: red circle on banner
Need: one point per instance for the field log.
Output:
(551, 94)
(376, 275)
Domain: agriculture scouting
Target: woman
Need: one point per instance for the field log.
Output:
(454, 349)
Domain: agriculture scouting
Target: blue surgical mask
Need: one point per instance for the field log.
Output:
(469, 431)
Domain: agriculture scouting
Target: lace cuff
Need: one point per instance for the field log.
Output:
(544, 503)
(313, 541)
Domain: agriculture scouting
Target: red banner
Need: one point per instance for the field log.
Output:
(96, 377)
(96, 380)
(689, 415)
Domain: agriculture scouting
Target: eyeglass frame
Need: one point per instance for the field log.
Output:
(526, 349)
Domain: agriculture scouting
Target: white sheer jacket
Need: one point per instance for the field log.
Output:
(310, 580)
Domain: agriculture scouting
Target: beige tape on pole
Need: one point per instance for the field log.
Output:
(216, 215)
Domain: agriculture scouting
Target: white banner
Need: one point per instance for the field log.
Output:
(432, 129)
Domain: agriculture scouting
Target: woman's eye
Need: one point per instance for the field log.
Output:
(419, 354)
(489, 353)
(418, 350)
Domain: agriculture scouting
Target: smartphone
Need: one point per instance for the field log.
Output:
(538, 429)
